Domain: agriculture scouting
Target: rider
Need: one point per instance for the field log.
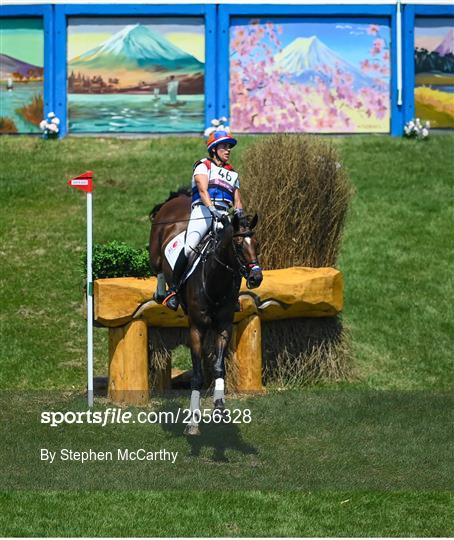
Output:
(215, 189)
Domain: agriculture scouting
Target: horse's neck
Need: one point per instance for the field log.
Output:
(220, 271)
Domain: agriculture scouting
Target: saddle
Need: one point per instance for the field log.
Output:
(176, 245)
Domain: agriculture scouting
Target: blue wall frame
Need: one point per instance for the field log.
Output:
(217, 28)
(411, 12)
(226, 12)
(46, 13)
(62, 12)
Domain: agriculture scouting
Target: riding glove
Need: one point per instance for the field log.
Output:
(215, 212)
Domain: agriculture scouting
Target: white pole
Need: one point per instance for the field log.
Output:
(89, 299)
(399, 52)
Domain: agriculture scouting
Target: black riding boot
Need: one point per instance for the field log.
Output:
(171, 300)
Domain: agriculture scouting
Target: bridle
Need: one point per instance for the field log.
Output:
(244, 266)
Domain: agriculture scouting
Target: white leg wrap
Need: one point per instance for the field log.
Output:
(195, 406)
(218, 389)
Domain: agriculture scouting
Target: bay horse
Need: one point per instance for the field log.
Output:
(209, 295)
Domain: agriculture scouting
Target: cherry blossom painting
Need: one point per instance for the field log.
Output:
(307, 75)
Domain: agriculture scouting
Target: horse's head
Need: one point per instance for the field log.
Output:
(246, 249)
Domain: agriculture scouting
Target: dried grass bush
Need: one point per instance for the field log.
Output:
(297, 185)
(300, 352)
(300, 190)
(161, 343)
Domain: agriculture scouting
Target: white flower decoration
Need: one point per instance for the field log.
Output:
(209, 131)
(416, 129)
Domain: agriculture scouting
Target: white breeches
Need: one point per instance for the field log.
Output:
(200, 222)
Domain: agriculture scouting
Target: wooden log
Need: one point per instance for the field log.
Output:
(284, 294)
(247, 358)
(128, 364)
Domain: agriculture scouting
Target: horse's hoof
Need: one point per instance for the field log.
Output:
(192, 430)
(219, 405)
(219, 412)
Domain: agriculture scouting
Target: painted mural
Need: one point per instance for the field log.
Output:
(21, 75)
(136, 74)
(434, 71)
(326, 76)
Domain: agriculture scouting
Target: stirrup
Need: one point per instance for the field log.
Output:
(171, 301)
(158, 298)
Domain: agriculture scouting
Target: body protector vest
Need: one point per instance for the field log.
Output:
(222, 183)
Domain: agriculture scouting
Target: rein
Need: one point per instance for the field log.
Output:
(242, 269)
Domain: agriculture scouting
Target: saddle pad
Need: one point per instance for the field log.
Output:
(173, 249)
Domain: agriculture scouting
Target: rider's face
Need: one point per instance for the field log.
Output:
(223, 151)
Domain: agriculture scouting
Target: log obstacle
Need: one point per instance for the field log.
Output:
(123, 305)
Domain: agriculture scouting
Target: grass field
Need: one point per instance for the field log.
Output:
(397, 260)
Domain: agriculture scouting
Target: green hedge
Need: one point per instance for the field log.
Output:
(117, 259)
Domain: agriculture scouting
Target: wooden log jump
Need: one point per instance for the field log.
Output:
(124, 306)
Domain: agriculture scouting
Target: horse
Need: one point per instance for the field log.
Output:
(209, 295)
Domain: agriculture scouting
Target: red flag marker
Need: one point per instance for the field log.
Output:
(83, 181)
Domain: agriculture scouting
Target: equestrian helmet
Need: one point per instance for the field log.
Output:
(219, 136)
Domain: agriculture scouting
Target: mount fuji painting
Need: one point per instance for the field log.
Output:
(434, 67)
(154, 68)
(304, 75)
(305, 60)
(137, 47)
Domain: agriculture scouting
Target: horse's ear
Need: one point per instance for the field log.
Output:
(254, 221)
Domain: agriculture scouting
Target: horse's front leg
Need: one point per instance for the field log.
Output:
(196, 342)
(222, 341)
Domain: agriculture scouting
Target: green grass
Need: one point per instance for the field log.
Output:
(193, 513)
(397, 259)
(349, 440)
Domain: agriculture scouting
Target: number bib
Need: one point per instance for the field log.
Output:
(222, 176)
(222, 183)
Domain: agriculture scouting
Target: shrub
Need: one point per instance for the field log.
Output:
(117, 259)
(300, 190)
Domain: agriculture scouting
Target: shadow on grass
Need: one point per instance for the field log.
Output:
(220, 437)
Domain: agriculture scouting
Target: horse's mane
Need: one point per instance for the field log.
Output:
(183, 190)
